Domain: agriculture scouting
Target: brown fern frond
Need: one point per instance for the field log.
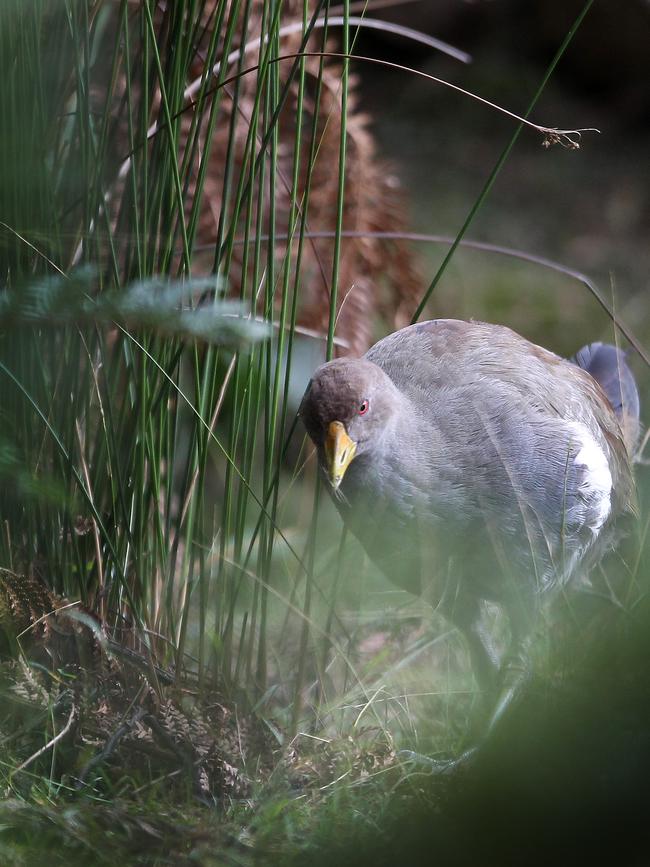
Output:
(378, 279)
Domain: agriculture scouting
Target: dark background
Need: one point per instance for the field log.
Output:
(587, 209)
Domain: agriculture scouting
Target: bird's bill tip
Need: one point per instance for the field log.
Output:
(340, 449)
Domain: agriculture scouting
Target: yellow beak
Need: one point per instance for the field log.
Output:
(339, 451)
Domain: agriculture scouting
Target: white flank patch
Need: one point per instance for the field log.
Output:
(597, 484)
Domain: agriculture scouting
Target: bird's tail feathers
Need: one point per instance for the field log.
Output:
(607, 365)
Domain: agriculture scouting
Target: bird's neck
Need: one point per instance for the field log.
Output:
(397, 464)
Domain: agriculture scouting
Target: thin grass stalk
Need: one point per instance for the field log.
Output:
(171, 138)
(211, 359)
(301, 210)
(254, 212)
(500, 162)
(273, 363)
(258, 237)
(138, 221)
(269, 24)
(336, 257)
(244, 425)
(296, 710)
(266, 62)
(214, 108)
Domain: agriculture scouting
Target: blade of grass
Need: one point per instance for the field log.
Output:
(501, 161)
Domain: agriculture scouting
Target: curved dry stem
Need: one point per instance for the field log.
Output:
(569, 138)
(387, 27)
(370, 5)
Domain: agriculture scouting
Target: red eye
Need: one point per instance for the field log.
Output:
(363, 409)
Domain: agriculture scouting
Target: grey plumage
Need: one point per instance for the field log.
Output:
(484, 467)
(609, 368)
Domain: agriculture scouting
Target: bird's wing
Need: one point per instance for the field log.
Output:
(518, 433)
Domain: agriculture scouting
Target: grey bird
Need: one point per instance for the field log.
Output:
(475, 466)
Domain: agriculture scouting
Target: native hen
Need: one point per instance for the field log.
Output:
(473, 465)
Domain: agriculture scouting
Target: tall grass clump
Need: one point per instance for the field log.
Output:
(172, 262)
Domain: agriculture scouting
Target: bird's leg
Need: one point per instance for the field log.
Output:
(500, 684)
(465, 614)
(483, 656)
(515, 666)
(464, 611)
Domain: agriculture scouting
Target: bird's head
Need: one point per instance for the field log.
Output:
(347, 409)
